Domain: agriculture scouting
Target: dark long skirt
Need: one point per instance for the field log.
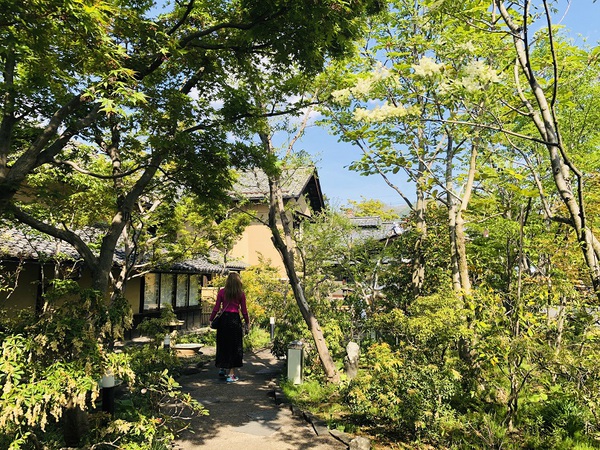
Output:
(229, 341)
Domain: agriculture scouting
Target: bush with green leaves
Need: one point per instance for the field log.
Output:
(256, 339)
(156, 328)
(267, 294)
(148, 414)
(564, 416)
(206, 336)
(35, 393)
(408, 398)
(53, 364)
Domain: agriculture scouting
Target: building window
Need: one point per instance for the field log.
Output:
(151, 297)
(181, 295)
(178, 290)
(195, 290)
(166, 289)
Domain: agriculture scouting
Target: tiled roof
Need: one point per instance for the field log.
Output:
(374, 221)
(373, 228)
(196, 265)
(201, 265)
(28, 244)
(254, 184)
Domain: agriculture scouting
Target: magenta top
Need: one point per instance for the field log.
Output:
(234, 306)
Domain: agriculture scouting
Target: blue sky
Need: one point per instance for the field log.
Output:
(339, 184)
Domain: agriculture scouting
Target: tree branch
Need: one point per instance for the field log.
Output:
(62, 234)
(95, 175)
(490, 127)
(183, 18)
(377, 168)
(232, 25)
(255, 116)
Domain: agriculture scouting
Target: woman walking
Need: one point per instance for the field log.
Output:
(231, 300)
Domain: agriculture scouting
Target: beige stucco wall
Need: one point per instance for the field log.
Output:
(256, 239)
(24, 295)
(256, 242)
(26, 292)
(133, 294)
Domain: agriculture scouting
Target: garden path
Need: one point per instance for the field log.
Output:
(244, 415)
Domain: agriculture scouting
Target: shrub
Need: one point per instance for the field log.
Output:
(410, 399)
(564, 414)
(256, 339)
(204, 336)
(484, 430)
(54, 363)
(156, 328)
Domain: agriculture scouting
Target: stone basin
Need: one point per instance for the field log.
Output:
(187, 350)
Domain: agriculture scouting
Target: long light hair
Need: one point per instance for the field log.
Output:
(233, 286)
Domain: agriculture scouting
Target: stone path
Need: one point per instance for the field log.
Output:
(243, 415)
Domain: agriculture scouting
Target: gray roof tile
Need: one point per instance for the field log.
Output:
(374, 221)
(24, 243)
(254, 184)
(29, 244)
(373, 228)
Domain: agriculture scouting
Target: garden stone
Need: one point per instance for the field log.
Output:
(341, 436)
(351, 359)
(360, 443)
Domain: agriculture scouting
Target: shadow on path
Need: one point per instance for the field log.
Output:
(242, 414)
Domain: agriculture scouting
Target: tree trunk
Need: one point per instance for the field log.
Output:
(418, 273)
(544, 119)
(285, 248)
(452, 203)
(461, 241)
(284, 244)
(8, 107)
(453, 246)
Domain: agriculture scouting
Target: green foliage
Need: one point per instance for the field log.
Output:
(157, 328)
(148, 362)
(144, 415)
(371, 208)
(563, 414)
(266, 293)
(54, 362)
(256, 339)
(483, 430)
(35, 394)
(410, 398)
(288, 329)
(311, 394)
(204, 336)
(396, 277)
(412, 378)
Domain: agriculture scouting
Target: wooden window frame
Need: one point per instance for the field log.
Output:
(173, 296)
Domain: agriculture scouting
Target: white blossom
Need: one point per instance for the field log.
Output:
(426, 67)
(471, 84)
(363, 87)
(380, 72)
(445, 87)
(478, 75)
(468, 47)
(379, 113)
(341, 96)
(361, 115)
